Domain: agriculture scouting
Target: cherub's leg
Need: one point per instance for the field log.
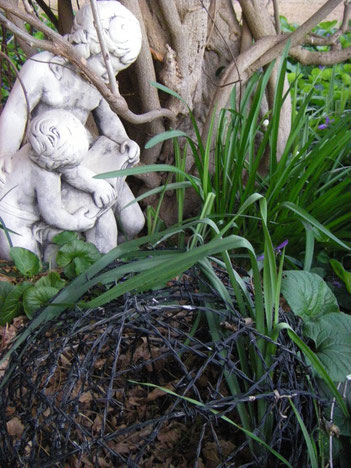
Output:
(104, 234)
(130, 220)
(23, 239)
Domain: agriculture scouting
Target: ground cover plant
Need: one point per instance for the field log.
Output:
(259, 309)
(73, 257)
(254, 295)
(100, 394)
(218, 349)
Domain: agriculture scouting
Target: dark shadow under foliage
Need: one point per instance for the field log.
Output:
(69, 399)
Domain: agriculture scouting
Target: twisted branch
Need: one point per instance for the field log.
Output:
(59, 46)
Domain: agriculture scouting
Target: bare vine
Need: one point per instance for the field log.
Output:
(59, 46)
(104, 49)
(167, 26)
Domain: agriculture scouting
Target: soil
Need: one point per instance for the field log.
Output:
(84, 391)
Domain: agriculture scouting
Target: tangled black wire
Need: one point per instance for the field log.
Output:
(76, 389)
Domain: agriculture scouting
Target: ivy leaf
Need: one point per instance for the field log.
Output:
(65, 237)
(81, 264)
(26, 261)
(76, 257)
(36, 297)
(52, 279)
(12, 306)
(332, 337)
(5, 289)
(308, 295)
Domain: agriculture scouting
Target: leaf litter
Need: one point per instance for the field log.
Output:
(69, 399)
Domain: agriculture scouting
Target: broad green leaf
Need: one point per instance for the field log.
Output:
(338, 417)
(26, 261)
(52, 279)
(36, 297)
(308, 295)
(65, 237)
(74, 290)
(340, 271)
(70, 270)
(332, 337)
(81, 264)
(13, 305)
(5, 289)
(68, 253)
(317, 366)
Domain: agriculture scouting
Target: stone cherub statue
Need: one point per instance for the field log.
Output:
(48, 190)
(52, 83)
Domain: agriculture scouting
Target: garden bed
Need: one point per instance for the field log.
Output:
(75, 392)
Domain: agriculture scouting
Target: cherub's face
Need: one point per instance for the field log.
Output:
(50, 163)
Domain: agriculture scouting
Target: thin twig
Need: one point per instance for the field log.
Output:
(104, 49)
(60, 46)
(346, 16)
(228, 48)
(276, 16)
(331, 435)
(297, 36)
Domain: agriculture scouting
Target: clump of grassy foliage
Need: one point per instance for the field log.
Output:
(303, 198)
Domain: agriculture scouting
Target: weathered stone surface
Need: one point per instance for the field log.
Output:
(47, 184)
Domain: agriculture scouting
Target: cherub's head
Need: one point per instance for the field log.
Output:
(122, 36)
(58, 139)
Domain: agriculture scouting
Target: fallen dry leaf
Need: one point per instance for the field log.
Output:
(15, 428)
(156, 393)
(86, 397)
(169, 437)
(97, 423)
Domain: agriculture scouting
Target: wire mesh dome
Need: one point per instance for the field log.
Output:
(75, 393)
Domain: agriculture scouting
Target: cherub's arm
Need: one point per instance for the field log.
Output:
(48, 190)
(15, 113)
(110, 125)
(82, 178)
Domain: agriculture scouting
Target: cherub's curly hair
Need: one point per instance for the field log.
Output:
(58, 139)
(122, 31)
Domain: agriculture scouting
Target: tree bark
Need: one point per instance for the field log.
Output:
(197, 48)
(65, 16)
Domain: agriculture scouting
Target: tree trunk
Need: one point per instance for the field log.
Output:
(197, 48)
(65, 16)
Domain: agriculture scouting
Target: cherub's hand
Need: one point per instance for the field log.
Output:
(83, 221)
(104, 195)
(133, 151)
(5, 169)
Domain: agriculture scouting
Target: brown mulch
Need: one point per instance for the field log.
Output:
(74, 394)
